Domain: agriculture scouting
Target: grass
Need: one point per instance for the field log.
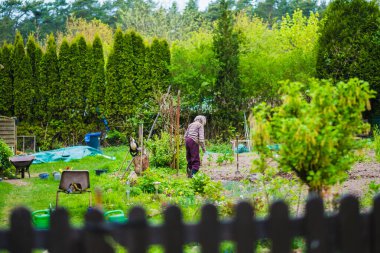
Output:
(36, 194)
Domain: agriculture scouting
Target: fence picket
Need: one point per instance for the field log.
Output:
(21, 233)
(60, 236)
(315, 226)
(173, 230)
(244, 228)
(279, 228)
(209, 230)
(137, 235)
(375, 226)
(349, 225)
(94, 241)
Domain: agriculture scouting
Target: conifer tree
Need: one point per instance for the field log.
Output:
(50, 90)
(66, 79)
(138, 57)
(95, 105)
(6, 81)
(119, 92)
(349, 42)
(34, 52)
(349, 45)
(23, 92)
(227, 86)
(83, 75)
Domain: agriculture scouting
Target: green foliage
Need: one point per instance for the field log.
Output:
(349, 42)
(287, 51)
(194, 70)
(5, 153)
(96, 91)
(50, 90)
(161, 148)
(22, 82)
(158, 62)
(376, 142)
(227, 85)
(315, 126)
(6, 83)
(116, 138)
(199, 181)
(372, 190)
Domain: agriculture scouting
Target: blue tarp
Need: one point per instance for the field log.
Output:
(66, 154)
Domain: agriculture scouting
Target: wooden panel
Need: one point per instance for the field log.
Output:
(61, 237)
(375, 226)
(173, 230)
(279, 228)
(138, 233)
(8, 132)
(209, 230)
(349, 225)
(315, 226)
(95, 241)
(21, 233)
(244, 228)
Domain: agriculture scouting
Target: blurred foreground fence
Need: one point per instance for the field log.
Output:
(347, 231)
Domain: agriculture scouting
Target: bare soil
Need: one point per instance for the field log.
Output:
(360, 175)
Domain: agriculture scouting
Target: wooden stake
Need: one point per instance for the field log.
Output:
(177, 130)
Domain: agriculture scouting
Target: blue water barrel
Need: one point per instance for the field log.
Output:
(93, 139)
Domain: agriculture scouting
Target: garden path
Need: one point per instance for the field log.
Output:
(360, 176)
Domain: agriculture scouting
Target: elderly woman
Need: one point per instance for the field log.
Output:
(194, 137)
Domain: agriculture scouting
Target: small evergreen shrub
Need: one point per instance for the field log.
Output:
(5, 153)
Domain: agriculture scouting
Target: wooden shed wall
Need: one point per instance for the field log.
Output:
(8, 132)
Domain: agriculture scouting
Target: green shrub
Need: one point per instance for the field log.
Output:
(376, 142)
(199, 182)
(116, 138)
(315, 125)
(5, 153)
(161, 148)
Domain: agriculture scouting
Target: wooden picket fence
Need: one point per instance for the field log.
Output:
(347, 231)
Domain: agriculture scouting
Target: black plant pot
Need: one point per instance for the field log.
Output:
(99, 172)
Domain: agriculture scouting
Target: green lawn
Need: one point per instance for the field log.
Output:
(36, 194)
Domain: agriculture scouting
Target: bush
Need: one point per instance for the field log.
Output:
(163, 151)
(315, 126)
(5, 153)
(116, 138)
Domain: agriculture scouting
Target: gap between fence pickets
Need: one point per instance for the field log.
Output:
(347, 231)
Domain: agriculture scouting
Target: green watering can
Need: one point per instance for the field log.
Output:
(116, 216)
(41, 219)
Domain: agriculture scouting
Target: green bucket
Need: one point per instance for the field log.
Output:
(116, 216)
(41, 219)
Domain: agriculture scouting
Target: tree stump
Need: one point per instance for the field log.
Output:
(137, 163)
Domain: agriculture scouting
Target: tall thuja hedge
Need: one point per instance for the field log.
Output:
(66, 80)
(34, 52)
(349, 44)
(49, 108)
(23, 90)
(6, 81)
(139, 72)
(95, 103)
(120, 90)
(84, 75)
(227, 90)
(158, 61)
